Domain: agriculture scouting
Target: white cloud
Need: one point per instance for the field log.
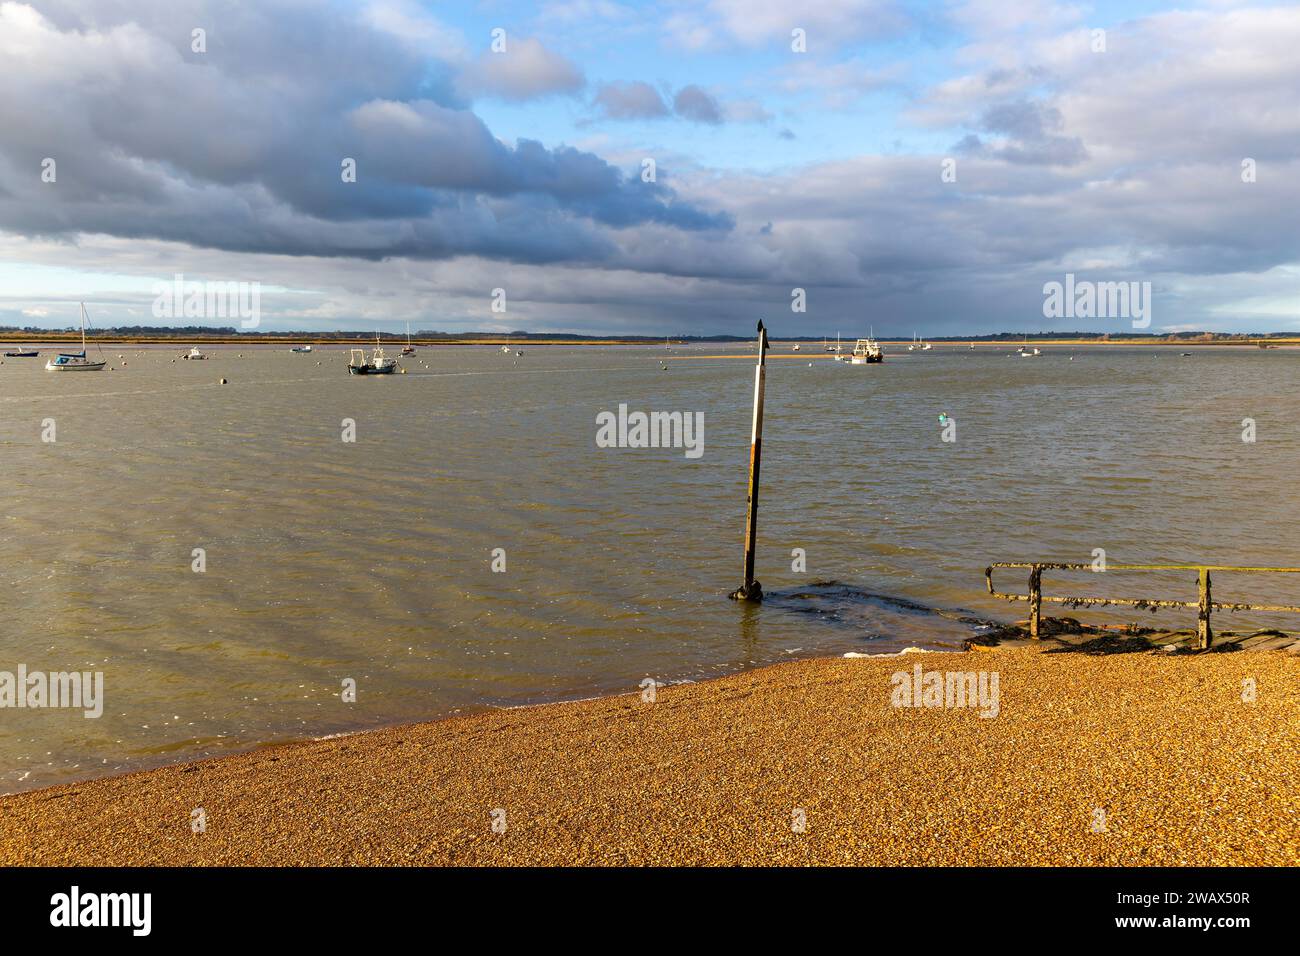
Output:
(525, 70)
(415, 25)
(752, 23)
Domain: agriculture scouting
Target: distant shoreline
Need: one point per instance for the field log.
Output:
(361, 339)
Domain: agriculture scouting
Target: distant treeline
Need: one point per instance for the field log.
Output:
(208, 331)
(1117, 336)
(201, 331)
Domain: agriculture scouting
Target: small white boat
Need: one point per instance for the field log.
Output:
(301, 348)
(867, 352)
(408, 349)
(75, 361)
(194, 354)
(796, 346)
(379, 364)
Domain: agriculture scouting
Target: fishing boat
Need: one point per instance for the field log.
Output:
(378, 364)
(194, 354)
(301, 348)
(75, 361)
(22, 353)
(408, 349)
(867, 352)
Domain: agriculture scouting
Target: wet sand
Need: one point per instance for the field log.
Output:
(1185, 771)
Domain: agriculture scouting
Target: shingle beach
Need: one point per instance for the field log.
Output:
(1121, 759)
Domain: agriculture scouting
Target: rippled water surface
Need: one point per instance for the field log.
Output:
(372, 560)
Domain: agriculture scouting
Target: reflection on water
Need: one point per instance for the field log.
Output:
(372, 559)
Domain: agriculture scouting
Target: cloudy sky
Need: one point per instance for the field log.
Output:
(793, 146)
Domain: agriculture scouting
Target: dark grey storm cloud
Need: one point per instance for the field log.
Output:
(243, 147)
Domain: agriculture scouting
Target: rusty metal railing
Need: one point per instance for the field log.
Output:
(1204, 605)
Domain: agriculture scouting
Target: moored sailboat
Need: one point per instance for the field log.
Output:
(75, 361)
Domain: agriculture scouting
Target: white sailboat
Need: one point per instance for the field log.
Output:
(409, 349)
(75, 361)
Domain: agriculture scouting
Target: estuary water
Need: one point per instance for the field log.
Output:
(227, 560)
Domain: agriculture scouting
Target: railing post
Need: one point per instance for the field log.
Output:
(1035, 600)
(1203, 633)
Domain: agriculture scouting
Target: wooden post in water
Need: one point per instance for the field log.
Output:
(751, 590)
(1035, 600)
(1203, 632)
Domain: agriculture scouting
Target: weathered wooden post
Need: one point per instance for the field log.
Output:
(1035, 600)
(751, 590)
(1203, 633)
